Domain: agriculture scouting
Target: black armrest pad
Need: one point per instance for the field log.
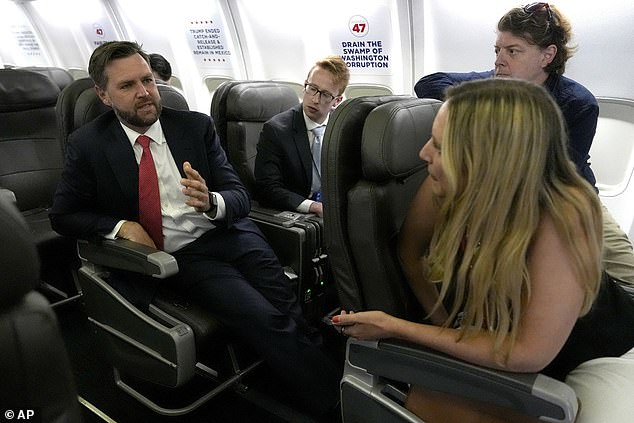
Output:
(127, 255)
(281, 217)
(530, 393)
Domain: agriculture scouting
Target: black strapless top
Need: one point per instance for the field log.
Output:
(606, 331)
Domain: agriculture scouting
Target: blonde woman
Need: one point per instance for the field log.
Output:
(534, 43)
(504, 252)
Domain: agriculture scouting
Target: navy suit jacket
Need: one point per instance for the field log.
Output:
(284, 162)
(99, 184)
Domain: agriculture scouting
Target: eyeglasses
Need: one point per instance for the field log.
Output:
(324, 96)
(536, 7)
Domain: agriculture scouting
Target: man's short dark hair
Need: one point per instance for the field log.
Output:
(161, 66)
(106, 53)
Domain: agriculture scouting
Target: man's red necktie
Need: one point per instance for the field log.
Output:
(149, 195)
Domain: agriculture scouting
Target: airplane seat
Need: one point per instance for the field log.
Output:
(60, 76)
(87, 107)
(30, 166)
(212, 82)
(78, 103)
(295, 86)
(65, 108)
(370, 172)
(346, 122)
(612, 159)
(169, 343)
(31, 159)
(239, 110)
(36, 372)
(365, 90)
(78, 73)
(172, 97)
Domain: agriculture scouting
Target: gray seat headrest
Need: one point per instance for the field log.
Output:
(61, 77)
(25, 90)
(383, 160)
(259, 101)
(171, 97)
(88, 107)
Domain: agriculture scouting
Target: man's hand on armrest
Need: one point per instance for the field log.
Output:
(133, 231)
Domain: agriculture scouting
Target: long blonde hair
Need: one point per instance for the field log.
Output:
(505, 159)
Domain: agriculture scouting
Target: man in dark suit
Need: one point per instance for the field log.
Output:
(159, 177)
(288, 163)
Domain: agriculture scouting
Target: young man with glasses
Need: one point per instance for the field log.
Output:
(288, 162)
(532, 44)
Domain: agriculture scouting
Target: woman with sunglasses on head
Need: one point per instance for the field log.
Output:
(512, 271)
(533, 44)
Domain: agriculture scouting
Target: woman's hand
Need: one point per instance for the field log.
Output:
(366, 325)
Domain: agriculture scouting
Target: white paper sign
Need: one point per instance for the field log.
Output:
(208, 43)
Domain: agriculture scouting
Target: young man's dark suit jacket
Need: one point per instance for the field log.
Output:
(283, 166)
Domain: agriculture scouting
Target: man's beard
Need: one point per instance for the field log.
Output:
(135, 120)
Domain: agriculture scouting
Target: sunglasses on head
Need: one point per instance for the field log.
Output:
(539, 7)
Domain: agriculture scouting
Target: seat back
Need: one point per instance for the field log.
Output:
(171, 97)
(239, 110)
(66, 106)
(364, 90)
(78, 104)
(612, 159)
(30, 154)
(31, 161)
(35, 367)
(59, 76)
(212, 82)
(368, 182)
(162, 343)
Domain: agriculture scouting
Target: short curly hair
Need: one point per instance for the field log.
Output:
(542, 27)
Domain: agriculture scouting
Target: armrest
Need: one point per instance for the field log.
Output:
(529, 393)
(127, 255)
(8, 195)
(280, 217)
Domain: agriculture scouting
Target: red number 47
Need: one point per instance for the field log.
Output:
(360, 27)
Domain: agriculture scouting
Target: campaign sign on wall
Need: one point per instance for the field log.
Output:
(27, 45)
(365, 42)
(208, 43)
(99, 32)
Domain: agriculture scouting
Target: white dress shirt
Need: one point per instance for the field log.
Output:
(182, 224)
